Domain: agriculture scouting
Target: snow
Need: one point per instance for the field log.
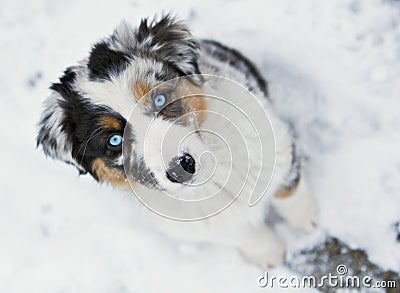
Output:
(333, 69)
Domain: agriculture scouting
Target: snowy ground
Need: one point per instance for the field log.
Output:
(334, 70)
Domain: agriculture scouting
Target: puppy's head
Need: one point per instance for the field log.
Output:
(111, 98)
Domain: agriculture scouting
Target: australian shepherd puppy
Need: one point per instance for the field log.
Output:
(144, 113)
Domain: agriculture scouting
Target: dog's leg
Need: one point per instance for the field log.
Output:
(297, 205)
(262, 247)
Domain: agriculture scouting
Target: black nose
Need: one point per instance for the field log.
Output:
(187, 163)
(181, 169)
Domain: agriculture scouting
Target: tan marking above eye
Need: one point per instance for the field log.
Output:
(195, 100)
(111, 123)
(140, 89)
(109, 174)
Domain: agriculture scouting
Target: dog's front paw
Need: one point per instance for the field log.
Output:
(266, 258)
(265, 252)
(305, 215)
(300, 209)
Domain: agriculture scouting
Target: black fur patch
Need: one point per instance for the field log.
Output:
(104, 61)
(295, 168)
(87, 136)
(237, 60)
(167, 73)
(69, 76)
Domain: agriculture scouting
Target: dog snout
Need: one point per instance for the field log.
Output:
(181, 169)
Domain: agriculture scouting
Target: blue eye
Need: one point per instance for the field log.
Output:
(159, 101)
(115, 140)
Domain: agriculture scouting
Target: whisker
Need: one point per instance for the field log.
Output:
(85, 143)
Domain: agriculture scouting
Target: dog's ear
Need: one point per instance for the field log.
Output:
(171, 41)
(52, 135)
(166, 39)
